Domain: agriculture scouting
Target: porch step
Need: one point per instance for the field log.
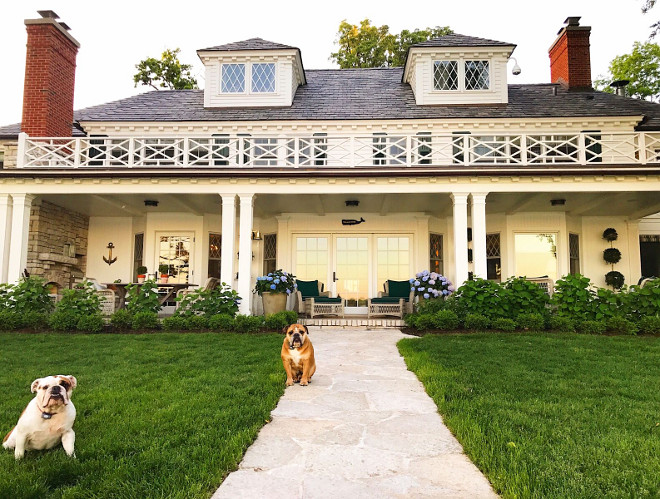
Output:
(352, 322)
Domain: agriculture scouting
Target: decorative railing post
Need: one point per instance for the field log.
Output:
(131, 152)
(642, 148)
(408, 150)
(352, 152)
(22, 143)
(185, 161)
(76, 153)
(523, 150)
(582, 149)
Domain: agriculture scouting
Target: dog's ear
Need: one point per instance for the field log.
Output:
(306, 330)
(284, 329)
(35, 384)
(72, 380)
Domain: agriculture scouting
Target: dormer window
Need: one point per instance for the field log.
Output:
(260, 75)
(233, 79)
(263, 77)
(461, 75)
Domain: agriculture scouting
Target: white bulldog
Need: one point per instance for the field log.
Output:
(48, 418)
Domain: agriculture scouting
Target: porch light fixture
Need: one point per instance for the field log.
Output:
(256, 235)
(557, 202)
(352, 202)
(150, 202)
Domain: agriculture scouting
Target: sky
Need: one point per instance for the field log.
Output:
(116, 35)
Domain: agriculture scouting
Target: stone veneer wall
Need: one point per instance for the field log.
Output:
(10, 148)
(51, 227)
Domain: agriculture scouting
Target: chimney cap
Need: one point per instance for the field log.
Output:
(572, 21)
(48, 14)
(65, 26)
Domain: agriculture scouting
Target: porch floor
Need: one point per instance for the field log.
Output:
(352, 321)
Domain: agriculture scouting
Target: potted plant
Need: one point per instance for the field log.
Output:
(274, 289)
(428, 285)
(141, 274)
(164, 270)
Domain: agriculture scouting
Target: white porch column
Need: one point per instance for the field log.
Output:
(20, 227)
(479, 235)
(5, 235)
(460, 238)
(228, 238)
(245, 253)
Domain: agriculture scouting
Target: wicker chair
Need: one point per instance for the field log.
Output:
(545, 283)
(312, 300)
(107, 297)
(396, 299)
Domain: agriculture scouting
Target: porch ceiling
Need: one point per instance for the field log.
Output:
(630, 204)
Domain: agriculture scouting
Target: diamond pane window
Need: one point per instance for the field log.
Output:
(233, 78)
(270, 253)
(574, 253)
(435, 246)
(445, 75)
(263, 77)
(477, 75)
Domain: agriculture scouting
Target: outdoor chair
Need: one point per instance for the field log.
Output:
(545, 283)
(312, 300)
(107, 297)
(210, 284)
(396, 299)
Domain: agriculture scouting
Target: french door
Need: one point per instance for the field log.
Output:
(175, 251)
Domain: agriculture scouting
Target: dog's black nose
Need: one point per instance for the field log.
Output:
(56, 389)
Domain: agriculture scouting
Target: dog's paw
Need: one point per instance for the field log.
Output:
(289, 382)
(303, 382)
(19, 455)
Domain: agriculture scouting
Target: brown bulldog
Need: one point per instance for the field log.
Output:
(298, 355)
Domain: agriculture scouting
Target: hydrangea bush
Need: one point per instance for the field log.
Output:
(427, 284)
(276, 282)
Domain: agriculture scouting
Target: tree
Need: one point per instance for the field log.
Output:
(166, 72)
(641, 67)
(368, 46)
(655, 27)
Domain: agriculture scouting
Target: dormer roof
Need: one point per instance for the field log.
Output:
(251, 44)
(458, 40)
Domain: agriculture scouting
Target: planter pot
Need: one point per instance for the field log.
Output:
(163, 279)
(274, 302)
(140, 279)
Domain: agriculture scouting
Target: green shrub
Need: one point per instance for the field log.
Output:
(573, 297)
(175, 323)
(197, 323)
(525, 297)
(63, 320)
(144, 299)
(81, 300)
(276, 322)
(531, 322)
(591, 327)
(504, 324)
(291, 316)
(91, 323)
(649, 324)
(644, 301)
(221, 322)
(220, 300)
(145, 320)
(35, 320)
(247, 323)
(425, 321)
(122, 319)
(410, 320)
(476, 322)
(446, 320)
(609, 304)
(562, 324)
(431, 306)
(10, 321)
(487, 298)
(621, 325)
(28, 295)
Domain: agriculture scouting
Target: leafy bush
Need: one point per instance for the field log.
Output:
(504, 324)
(446, 320)
(476, 322)
(28, 295)
(122, 319)
(649, 325)
(197, 323)
(63, 320)
(247, 323)
(531, 322)
(175, 323)
(644, 301)
(221, 322)
(10, 321)
(609, 304)
(525, 297)
(144, 299)
(81, 300)
(276, 282)
(615, 279)
(591, 327)
(424, 321)
(145, 320)
(34, 320)
(431, 285)
(91, 323)
(280, 320)
(220, 300)
(487, 298)
(620, 325)
(431, 306)
(573, 297)
(562, 324)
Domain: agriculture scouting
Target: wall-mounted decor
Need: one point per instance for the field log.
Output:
(352, 221)
(110, 260)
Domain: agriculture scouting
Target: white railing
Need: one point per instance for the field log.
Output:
(345, 151)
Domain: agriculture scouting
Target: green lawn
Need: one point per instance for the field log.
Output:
(546, 415)
(159, 415)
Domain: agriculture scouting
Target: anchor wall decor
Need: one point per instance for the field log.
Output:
(110, 260)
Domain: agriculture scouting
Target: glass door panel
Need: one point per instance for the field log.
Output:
(175, 251)
(352, 271)
(312, 259)
(393, 259)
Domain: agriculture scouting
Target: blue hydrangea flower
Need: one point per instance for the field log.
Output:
(431, 282)
(417, 283)
(426, 295)
(283, 278)
(421, 289)
(269, 278)
(445, 292)
(272, 286)
(276, 281)
(288, 291)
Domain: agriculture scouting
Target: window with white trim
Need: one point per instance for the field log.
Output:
(241, 78)
(477, 75)
(445, 75)
(263, 77)
(232, 80)
(461, 75)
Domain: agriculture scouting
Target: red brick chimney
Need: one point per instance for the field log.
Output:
(570, 63)
(50, 72)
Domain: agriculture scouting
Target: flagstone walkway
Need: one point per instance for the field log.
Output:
(363, 428)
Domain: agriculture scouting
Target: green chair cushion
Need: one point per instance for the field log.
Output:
(388, 299)
(325, 299)
(400, 289)
(308, 288)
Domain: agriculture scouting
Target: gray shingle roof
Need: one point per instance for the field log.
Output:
(457, 40)
(12, 131)
(251, 44)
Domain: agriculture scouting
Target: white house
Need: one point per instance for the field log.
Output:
(348, 176)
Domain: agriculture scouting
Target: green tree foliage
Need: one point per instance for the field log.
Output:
(166, 72)
(641, 67)
(367, 46)
(655, 27)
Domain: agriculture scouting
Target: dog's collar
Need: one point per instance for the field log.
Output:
(46, 415)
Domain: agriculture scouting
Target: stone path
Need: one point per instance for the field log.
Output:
(363, 428)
